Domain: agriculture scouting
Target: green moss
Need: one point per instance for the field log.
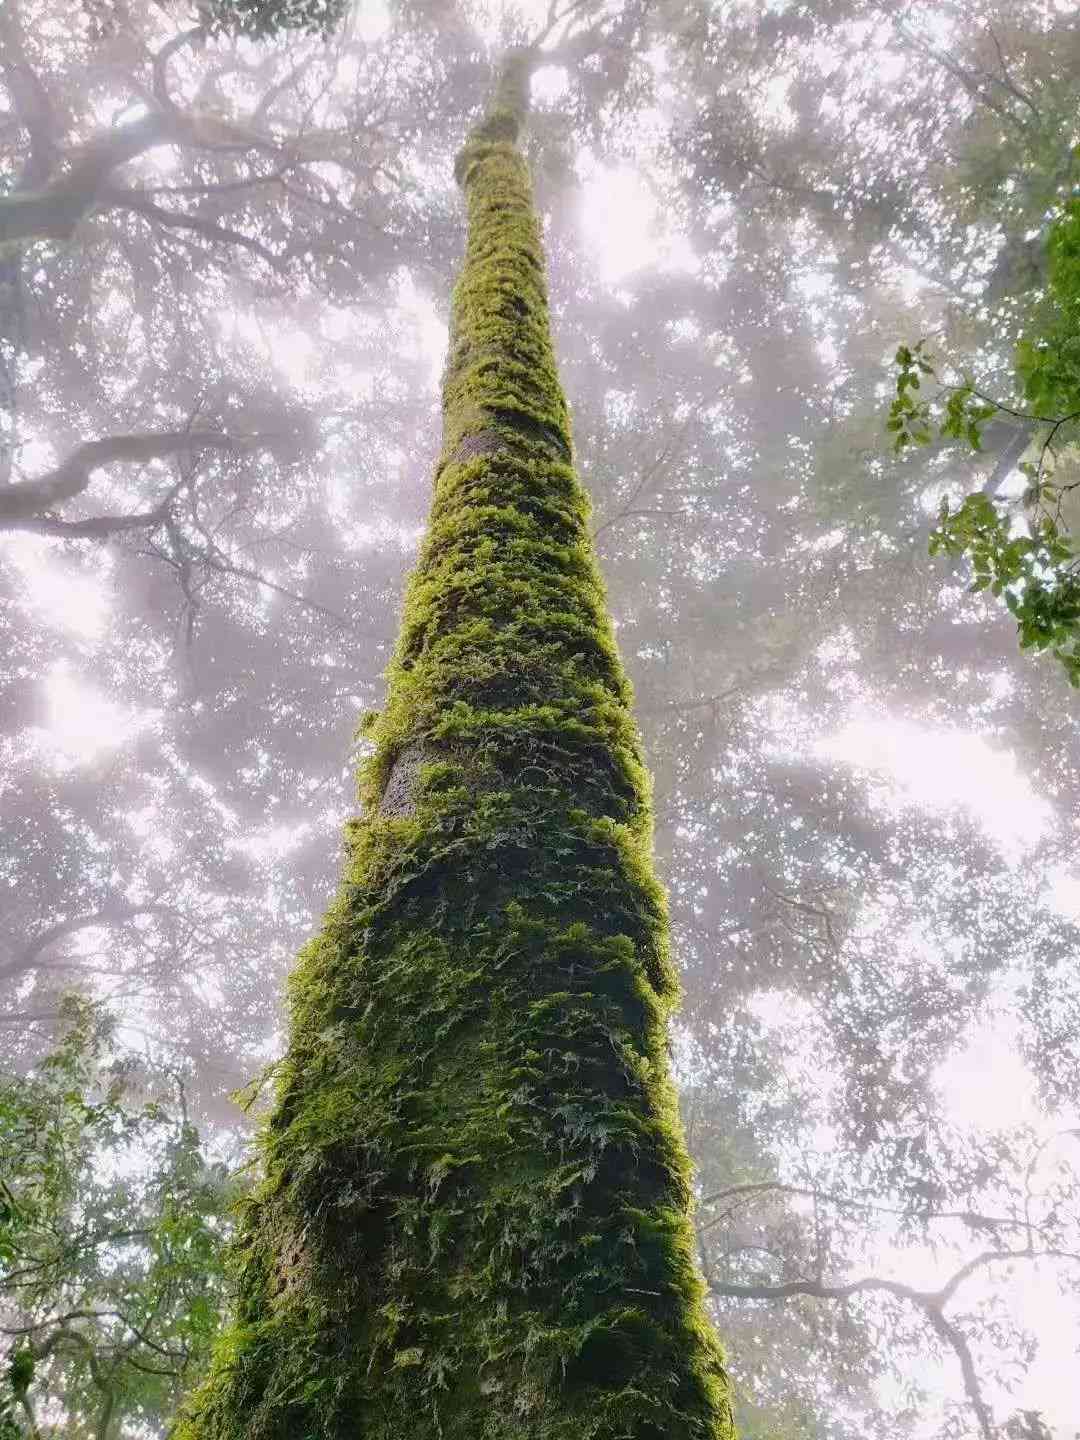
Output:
(473, 1223)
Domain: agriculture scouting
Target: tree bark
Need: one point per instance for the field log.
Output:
(474, 1217)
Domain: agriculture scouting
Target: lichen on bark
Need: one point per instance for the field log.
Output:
(473, 1222)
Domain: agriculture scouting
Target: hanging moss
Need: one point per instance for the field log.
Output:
(473, 1223)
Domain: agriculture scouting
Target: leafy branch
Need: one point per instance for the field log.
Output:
(1026, 557)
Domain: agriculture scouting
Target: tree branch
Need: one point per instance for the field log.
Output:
(962, 1350)
(54, 212)
(31, 100)
(32, 497)
(224, 566)
(931, 1302)
(98, 527)
(701, 702)
(1009, 458)
(161, 65)
(115, 197)
(750, 1192)
(107, 915)
(820, 1290)
(1006, 79)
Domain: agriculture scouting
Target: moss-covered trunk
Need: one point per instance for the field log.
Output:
(473, 1224)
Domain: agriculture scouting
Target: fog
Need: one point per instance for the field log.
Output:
(866, 791)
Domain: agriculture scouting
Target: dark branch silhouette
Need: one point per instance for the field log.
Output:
(32, 498)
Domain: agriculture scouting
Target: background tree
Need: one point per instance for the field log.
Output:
(111, 1228)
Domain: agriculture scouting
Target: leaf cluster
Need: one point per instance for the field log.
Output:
(1034, 573)
(960, 415)
(112, 1219)
(909, 414)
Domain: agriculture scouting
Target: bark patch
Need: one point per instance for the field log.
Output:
(399, 797)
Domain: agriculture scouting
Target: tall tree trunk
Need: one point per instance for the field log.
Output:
(474, 1218)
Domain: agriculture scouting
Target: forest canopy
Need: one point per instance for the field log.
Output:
(229, 236)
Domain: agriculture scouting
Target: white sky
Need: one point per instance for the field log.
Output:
(940, 769)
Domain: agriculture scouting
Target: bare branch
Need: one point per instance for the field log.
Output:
(63, 1320)
(931, 1302)
(32, 103)
(739, 1194)
(224, 566)
(275, 91)
(224, 187)
(161, 65)
(820, 1290)
(112, 914)
(962, 1350)
(31, 498)
(53, 213)
(648, 476)
(976, 83)
(1006, 79)
(694, 702)
(98, 527)
(115, 197)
